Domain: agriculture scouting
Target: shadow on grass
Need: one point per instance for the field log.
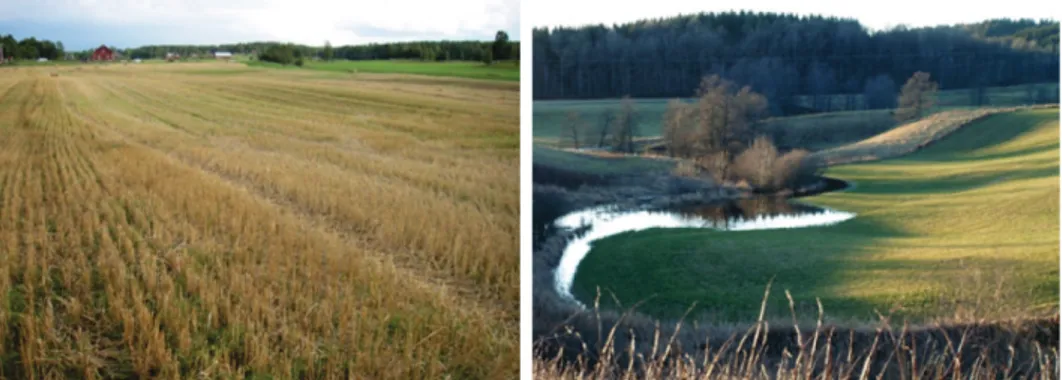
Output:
(967, 145)
(668, 270)
(950, 184)
(993, 130)
(659, 273)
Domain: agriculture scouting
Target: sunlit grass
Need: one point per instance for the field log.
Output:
(966, 227)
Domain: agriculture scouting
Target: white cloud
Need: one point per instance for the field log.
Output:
(300, 21)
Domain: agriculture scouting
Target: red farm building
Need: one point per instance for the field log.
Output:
(103, 53)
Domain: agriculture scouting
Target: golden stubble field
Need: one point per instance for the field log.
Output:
(215, 221)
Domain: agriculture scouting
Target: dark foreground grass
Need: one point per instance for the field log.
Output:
(603, 345)
(968, 225)
(501, 71)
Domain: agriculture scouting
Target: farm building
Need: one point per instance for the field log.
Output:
(103, 53)
(170, 57)
(224, 55)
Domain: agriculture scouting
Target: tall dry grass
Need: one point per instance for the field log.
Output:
(772, 349)
(159, 222)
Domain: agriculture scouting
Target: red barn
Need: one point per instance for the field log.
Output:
(103, 53)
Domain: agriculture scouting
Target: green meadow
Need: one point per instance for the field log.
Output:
(550, 116)
(501, 71)
(966, 228)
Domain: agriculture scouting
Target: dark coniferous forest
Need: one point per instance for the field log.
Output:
(782, 56)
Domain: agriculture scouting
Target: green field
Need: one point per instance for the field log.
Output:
(965, 228)
(598, 165)
(549, 116)
(503, 71)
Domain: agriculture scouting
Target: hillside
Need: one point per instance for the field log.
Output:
(966, 228)
(778, 55)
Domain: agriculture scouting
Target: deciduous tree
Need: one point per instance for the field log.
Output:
(916, 97)
(328, 52)
(678, 129)
(575, 128)
(624, 126)
(725, 116)
(500, 48)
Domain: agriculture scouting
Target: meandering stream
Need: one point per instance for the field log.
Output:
(743, 215)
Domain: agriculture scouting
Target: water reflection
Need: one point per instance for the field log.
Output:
(751, 214)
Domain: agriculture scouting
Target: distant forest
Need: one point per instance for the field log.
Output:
(782, 56)
(426, 50)
(31, 48)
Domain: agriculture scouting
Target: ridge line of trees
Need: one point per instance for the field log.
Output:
(501, 48)
(415, 50)
(782, 56)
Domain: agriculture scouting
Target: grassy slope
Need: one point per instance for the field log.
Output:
(503, 71)
(969, 225)
(158, 223)
(906, 138)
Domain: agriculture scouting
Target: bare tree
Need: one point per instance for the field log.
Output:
(678, 130)
(574, 127)
(624, 126)
(604, 127)
(916, 97)
(724, 117)
(716, 126)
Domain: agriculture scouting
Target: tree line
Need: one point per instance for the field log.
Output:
(782, 56)
(31, 48)
(501, 48)
(419, 50)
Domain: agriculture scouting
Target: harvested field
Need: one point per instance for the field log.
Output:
(159, 223)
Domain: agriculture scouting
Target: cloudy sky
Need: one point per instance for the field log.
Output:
(873, 14)
(82, 24)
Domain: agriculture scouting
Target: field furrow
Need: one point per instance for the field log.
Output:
(152, 224)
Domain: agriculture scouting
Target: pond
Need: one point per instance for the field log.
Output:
(760, 213)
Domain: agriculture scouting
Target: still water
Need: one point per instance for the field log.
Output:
(742, 215)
